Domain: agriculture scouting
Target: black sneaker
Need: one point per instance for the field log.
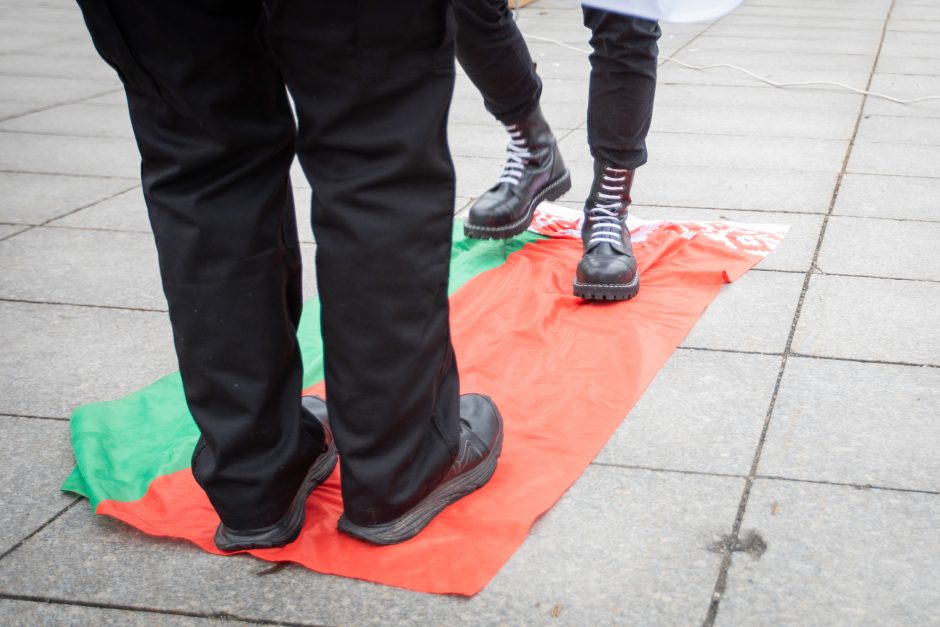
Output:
(481, 441)
(288, 527)
(533, 172)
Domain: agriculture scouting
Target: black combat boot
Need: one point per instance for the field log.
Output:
(607, 270)
(533, 172)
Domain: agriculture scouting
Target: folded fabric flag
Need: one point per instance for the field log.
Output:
(564, 373)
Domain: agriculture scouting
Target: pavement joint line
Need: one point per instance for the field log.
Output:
(856, 486)
(819, 272)
(20, 131)
(777, 270)
(857, 217)
(31, 417)
(70, 212)
(860, 360)
(38, 529)
(901, 176)
(641, 206)
(708, 349)
(72, 174)
(722, 580)
(61, 104)
(94, 229)
(88, 305)
(699, 473)
(225, 616)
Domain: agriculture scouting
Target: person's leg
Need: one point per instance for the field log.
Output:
(216, 136)
(493, 53)
(372, 83)
(620, 109)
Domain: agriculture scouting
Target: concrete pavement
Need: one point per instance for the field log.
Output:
(781, 470)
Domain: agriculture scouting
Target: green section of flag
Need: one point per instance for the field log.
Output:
(121, 446)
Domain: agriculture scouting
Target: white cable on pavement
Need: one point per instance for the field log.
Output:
(864, 92)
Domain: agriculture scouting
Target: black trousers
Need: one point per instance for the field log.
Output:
(623, 74)
(207, 86)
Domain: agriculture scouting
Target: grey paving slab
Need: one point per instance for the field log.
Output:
(867, 45)
(58, 154)
(896, 159)
(12, 108)
(749, 97)
(872, 319)
(899, 197)
(6, 230)
(748, 121)
(795, 253)
(59, 66)
(58, 357)
(77, 119)
(728, 29)
(59, 27)
(16, 42)
(858, 423)
(739, 18)
(82, 267)
(561, 115)
(38, 198)
(882, 248)
(836, 556)
(913, 25)
(898, 64)
(116, 98)
(713, 425)
(76, 45)
(620, 546)
(916, 12)
(735, 152)
(45, 89)
(905, 87)
(676, 74)
(872, 12)
(733, 188)
(123, 212)
(30, 613)
(36, 457)
(752, 314)
(885, 129)
(912, 44)
(477, 140)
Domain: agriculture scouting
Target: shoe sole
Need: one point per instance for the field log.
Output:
(554, 190)
(288, 528)
(417, 518)
(594, 291)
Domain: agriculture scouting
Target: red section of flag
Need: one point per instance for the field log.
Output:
(563, 372)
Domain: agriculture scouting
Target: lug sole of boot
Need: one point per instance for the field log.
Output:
(553, 191)
(288, 528)
(593, 291)
(417, 518)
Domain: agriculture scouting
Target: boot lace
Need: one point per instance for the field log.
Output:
(519, 156)
(604, 216)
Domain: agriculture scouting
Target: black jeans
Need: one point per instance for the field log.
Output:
(623, 74)
(207, 85)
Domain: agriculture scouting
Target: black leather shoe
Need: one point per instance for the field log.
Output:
(607, 270)
(533, 172)
(481, 441)
(287, 529)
